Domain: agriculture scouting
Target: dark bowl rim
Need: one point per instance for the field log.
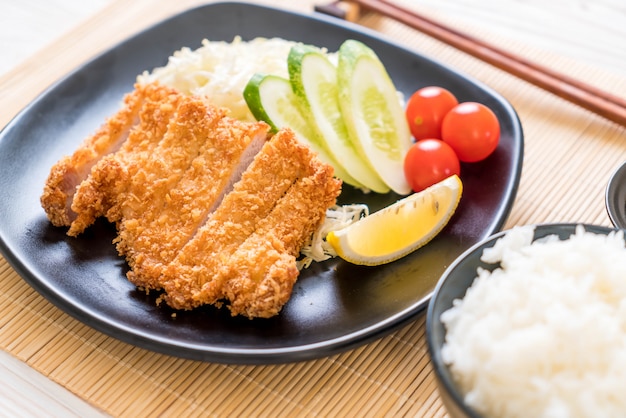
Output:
(615, 193)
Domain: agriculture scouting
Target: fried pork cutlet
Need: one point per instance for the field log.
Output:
(192, 278)
(197, 162)
(259, 277)
(248, 257)
(98, 195)
(70, 171)
(205, 207)
(148, 189)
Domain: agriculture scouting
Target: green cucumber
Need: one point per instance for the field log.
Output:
(373, 113)
(314, 82)
(271, 99)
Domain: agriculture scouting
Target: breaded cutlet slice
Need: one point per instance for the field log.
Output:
(154, 178)
(258, 278)
(229, 146)
(191, 279)
(70, 171)
(98, 195)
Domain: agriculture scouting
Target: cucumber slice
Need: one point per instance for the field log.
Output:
(271, 99)
(314, 82)
(372, 112)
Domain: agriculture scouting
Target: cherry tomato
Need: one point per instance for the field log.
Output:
(428, 162)
(426, 109)
(472, 130)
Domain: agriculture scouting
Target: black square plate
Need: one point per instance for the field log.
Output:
(335, 306)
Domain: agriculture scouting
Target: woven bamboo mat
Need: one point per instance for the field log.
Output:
(569, 156)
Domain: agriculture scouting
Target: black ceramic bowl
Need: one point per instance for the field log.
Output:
(453, 284)
(616, 197)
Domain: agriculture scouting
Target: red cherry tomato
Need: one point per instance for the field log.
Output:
(472, 130)
(428, 162)
(426, 109)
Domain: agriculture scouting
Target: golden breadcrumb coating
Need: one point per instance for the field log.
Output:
(207, 209)
(70, 171)
(258, 278)
(98, 195)
(192, 279)
(149, 189)
(170, 193)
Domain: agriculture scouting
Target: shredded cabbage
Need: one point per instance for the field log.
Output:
(337, 217)
(220, 70)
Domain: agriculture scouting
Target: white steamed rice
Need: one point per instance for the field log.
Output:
(543, 335)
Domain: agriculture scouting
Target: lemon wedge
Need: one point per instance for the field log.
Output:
(399, 229)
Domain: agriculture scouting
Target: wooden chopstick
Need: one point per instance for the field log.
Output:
(591, 98)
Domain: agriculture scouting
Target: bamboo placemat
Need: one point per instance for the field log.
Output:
(569, 156)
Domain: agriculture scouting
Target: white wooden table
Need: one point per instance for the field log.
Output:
(589, 31)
